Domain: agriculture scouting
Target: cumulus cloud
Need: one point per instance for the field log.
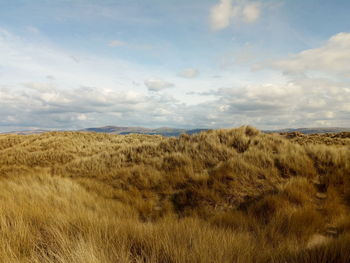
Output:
(321, 88)
(157, 84)
(220, 15)
(189, 73)
(293, 104)
(45, 105)
(333, 57)
(42, 86)
(251, 12)
(311, 102)
(227, 11)
(314, 91)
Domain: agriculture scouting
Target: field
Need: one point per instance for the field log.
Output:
(235, 195)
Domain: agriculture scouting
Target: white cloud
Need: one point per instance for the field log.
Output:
(333, 57)
(116, 43)
(313, 91)
(43, 86)
(322, 77)
(100, 91)
(157, 84)
(189, 73)
(82, 117)
(228, 11)
(251, 12)
(45, 105)
(220, 15)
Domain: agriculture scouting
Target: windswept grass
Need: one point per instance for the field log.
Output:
(219, 196)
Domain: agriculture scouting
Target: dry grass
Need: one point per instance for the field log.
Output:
(220, 196)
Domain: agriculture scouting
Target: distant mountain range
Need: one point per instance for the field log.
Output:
(168, 132)
(311, 130)
(27, 132)
(165, 131)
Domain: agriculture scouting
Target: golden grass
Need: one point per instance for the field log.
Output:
(220, 196)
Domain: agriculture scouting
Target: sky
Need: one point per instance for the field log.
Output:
(72, 64)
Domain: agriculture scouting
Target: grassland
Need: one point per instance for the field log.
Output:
(221, 196)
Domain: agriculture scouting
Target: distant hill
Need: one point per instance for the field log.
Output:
(174, 132)
(26, 132)
(311, 130)
(164, 131)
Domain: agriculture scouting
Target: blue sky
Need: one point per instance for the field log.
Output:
(69, 64)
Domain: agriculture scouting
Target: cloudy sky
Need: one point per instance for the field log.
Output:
(69, 64)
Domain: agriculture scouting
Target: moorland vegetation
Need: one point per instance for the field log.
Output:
(235, 195)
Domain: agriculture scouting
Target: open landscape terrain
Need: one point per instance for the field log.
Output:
(187, 131)
(234, 195)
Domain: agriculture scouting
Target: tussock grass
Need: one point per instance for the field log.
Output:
(234, 195)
